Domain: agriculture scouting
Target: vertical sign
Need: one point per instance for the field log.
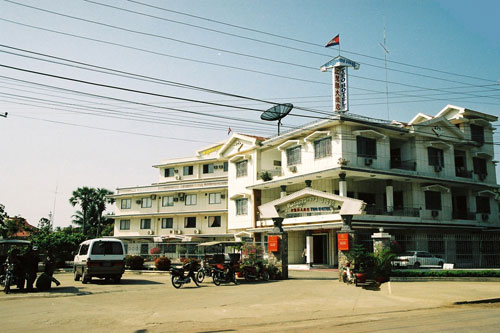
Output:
(273, 243)
(343, 242)
(340, 88)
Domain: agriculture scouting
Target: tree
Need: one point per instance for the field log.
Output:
(93, 203)
(45, 224)
(3, 217)
(83, 196)
(61, 243)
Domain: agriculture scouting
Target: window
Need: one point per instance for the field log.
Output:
(226, 166)
(435, 156)
(293, 155)
(477, 134)
(208, 168)
(432, 200)
(214, 221)
(167, 201)
(366, 147)
(167, 223)
(84, 249)
(479, 166)
(242, 168)
(126, 203)
(190, 222)
(190, 199)
(103, 247)
(323, 148)
(188, 170)
(214, 198)
(242, 206)
(146, 203)
(483, 205)
(124, 224)
(145, 223)
(169, 172)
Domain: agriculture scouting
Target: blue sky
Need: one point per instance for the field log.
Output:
(442, 44)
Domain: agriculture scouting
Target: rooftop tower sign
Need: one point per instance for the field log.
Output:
(339, 67)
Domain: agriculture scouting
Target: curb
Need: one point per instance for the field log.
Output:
(480, 301)
(445, 279)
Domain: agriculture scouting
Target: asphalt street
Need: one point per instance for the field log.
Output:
(309, 301)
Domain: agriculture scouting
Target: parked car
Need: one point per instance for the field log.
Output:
(417, 259)
(102, 258)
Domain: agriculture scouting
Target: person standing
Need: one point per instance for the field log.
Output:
(30, 262)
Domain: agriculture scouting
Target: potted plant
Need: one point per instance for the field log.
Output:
(266, 176)
(342, 161)
(361, 261)
(163, 263)
(382, 266)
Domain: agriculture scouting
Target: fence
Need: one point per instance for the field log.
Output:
(474, 250)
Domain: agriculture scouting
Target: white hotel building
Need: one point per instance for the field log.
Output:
(430, 183)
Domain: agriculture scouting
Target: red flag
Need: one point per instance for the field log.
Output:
(335, 41)
(228, 130)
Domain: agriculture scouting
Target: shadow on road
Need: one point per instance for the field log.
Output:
(126, 282)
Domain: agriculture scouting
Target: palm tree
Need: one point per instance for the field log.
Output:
(83, 196)
(100, 202)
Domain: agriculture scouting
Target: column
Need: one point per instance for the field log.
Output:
(342, 185)
(309, 248)
(283, 191)
(389, 195)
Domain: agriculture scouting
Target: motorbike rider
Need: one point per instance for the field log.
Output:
(15, 259)
(44, 281)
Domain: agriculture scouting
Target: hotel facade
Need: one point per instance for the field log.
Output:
(430, 183)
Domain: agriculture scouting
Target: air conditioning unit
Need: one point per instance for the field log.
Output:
(216, 166)
(222, 196)
(292, 168)
(153, 196)
(485, 217)
(181, 195)
(176, 199)
(139, 201)
(171, 231)
(482, 176)
(438, 168)
(150, 232)
(178, 231)
(368, 161)
(196, 231)
(434, 213)
(178, 177)
(176, 171)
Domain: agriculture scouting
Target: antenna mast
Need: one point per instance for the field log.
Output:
(386, 52)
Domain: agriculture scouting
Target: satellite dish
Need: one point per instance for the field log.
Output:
(277, 112)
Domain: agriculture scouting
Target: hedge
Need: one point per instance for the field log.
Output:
(445, 273)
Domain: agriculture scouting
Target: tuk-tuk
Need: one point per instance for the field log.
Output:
(216, 252)
(6, 245)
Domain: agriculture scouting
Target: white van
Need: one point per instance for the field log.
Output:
(101, 257)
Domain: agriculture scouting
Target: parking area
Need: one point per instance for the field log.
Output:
(149, 303)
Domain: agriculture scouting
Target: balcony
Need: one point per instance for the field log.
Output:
(463, 173)
(463, 215)
(404, 165)
(397, 211)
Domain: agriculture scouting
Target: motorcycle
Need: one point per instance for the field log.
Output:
(348, 275)
(224, 273)
(179, 276)
(9, 278)
(204, 271)
(252, 273)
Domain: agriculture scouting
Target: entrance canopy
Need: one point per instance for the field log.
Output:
(309, 202)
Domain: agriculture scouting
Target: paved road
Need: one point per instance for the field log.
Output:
(310, 301)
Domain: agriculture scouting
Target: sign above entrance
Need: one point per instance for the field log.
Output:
(309, 206)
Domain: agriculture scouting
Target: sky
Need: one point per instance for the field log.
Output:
(99, 91)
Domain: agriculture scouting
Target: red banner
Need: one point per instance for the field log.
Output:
(343, 242)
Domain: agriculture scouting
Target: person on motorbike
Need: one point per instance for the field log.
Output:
(44, 281)
(15, 259)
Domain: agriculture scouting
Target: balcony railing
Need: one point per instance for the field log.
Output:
(461, 172)
(273, 172)
(157, 188)
(404, 165)
(458, 215)
(397, 211)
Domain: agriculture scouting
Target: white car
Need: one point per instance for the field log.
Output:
(417, 259)
(101, 257)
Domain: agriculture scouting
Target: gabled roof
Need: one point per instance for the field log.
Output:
(445, 123)
(420, 117)
(462, 112)
(254, 140)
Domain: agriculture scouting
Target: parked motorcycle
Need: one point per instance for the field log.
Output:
(204, 271)
(348, 275)
(252, 273)
(184, 274)
(9, 279)
(224, 273)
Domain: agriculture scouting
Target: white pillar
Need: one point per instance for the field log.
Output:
(309, 248)
(283, 191)
(342, 185)
(389, 195)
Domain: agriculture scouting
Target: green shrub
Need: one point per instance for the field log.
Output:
(162, 263)
(134, 262)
